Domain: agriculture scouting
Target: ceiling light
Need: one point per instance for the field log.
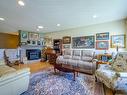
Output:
(58, 24)
(21, 3)
(2, 19)
(37, 29)
(40, 27)
(94, 16)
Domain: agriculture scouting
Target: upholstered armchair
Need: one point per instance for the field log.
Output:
(114, 76)
(11, 56)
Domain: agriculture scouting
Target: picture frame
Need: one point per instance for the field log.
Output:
(67, 40)
(83, 42)
(102, 36)
(118, 40)
(33, 36)
(102, 45)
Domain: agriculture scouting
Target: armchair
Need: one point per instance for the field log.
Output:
(11, 56)
(114, 76)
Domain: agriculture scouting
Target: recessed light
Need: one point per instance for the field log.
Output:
(2, 19)
(37, 29)
(58, 25)
(40, 27)
(94, 16)
(21, 3)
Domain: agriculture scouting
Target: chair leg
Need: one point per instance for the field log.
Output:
(113, 92)
(95, 79)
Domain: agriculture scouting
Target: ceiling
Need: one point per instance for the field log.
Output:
(68, 13)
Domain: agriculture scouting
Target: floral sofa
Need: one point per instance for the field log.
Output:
(82, 59)
(12, 81)
(114, 76)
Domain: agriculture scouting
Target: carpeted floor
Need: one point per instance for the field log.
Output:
(48, 83)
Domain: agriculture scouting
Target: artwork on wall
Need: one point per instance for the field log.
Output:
(83, 42)
(102, 36)
(66, 46)
(102, 45)
(118, 40)
(24, 35)
(66, 40)
(33, 36)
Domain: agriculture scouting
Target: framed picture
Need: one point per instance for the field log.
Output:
(66, 40)
(102, 36)
(83, 42)
(23, 36)
(102, 45)
(33, 36)
(66, 46)
(118, 40)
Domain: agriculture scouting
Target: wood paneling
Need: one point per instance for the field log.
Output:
(8, 41)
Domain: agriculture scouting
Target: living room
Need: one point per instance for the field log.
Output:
(61, 47)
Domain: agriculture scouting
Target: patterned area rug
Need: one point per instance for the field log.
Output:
(49, 83)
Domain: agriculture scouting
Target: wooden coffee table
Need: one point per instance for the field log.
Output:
(65, 68)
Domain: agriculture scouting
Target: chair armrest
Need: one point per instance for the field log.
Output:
(122, 74)
(104, 66)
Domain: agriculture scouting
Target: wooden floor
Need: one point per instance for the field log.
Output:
(38, 66)
(34, 67)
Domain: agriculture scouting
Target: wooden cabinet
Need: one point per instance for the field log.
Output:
(104, 58)
(57, 46)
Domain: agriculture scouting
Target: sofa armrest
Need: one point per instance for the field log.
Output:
(122, 74)
(14, 75)
(59, 58)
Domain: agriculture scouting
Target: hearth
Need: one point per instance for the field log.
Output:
(33, 54)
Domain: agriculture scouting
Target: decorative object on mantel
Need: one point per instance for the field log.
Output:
(118, 41)
(102, 36)
(102, 45)
(83, 42)
(67, 40)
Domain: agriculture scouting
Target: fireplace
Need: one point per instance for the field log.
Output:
(33, 54)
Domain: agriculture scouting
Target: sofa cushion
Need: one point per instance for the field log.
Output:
(67, 54)
(6, 69)
(2, 62)
(85, 58)
(106, 75)
(76, 55)
(88, 53)
(72, 62)
(84, 65)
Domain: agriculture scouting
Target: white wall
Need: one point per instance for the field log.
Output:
(114, 28)
(1, 53)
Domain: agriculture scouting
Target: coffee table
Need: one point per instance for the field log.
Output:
(66, 68)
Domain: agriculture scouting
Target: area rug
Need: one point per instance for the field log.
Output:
(48, 83)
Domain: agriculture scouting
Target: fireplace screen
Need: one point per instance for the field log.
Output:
(33, 54)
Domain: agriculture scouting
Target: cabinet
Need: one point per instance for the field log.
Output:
(104, 58)
(57, 46)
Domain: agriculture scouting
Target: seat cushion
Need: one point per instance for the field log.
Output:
(72, 62)
(84, 65)
(106, 75)
(6, 69)
(85, 58)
